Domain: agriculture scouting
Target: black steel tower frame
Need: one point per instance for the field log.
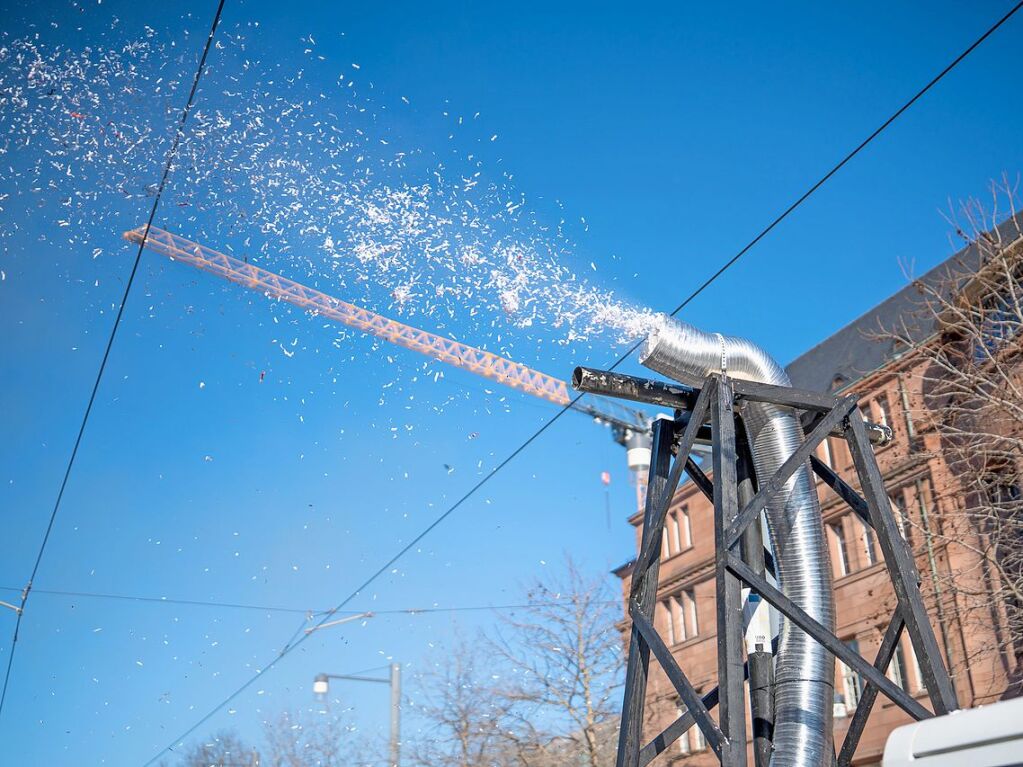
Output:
(740, 498)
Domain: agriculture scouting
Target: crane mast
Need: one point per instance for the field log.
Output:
(623, 420)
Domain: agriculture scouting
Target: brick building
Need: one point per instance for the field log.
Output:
(924, 493)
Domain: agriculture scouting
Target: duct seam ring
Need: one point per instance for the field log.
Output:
(724, 353)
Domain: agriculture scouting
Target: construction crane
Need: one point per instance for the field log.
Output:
(630, 427)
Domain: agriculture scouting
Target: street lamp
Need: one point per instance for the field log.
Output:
(321, 686)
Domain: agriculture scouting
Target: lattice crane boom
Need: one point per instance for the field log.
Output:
(463, 356)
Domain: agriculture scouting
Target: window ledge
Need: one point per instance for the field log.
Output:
(689, 642)
(863, 572)
(677, 554)
(920, 694)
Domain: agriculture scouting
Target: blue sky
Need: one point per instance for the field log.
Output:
(665, 137)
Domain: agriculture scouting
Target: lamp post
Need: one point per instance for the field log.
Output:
(321, 685)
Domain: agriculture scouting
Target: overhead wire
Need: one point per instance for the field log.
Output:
(106, 354)
(297, 610)
(294, 643)
(862, 145)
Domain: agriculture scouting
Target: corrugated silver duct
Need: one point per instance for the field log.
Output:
(804, 673)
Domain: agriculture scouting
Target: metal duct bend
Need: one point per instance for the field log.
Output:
(804, 673)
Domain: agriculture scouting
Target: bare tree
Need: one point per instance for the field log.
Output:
(562, 664)
(289, 740)
(313, 740)
(970, 371)
(462, 718)
(223, 749)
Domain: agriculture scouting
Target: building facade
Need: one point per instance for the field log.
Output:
(891, 385)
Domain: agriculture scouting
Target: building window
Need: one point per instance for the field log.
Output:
(897, 668)
(999, 514)
(1000, 488)
(852, 684)
(683, 741)
(1000, 321)
(673, 615)
(869, 544)
(670, 620)
(680, 619)
(699, 742)
(677, 619)
(678, 612)
(840, 546)
(902, 516)
(839, 710)
(867, 411)
(926, 503)
(827, 452)
(676, 534)
(914, 664)
(885, 409)
(665, 609)
(829, 458)
(692, 627)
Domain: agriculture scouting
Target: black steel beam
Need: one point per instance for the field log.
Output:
(701, 480)
(652, 392)
(786, 396)
(759, 660)
(643, 598)
(733, 482)
(773, 486)
(713, 734)
(679, 397)
(705, 486)
(728, 590)
(680, 726)
(869, 695)
(842, 489)
(839, 649)
(675, 730)
(662, 500)
(685, 447)
(880, 434)
(905, 578)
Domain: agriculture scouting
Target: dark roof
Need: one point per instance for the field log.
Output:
(851, 353)
(624, 569)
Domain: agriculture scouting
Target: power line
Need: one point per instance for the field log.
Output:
(293, 644)
(167, 600)
(823, 179)
(106, 353)
(862, 145)
(283, 609)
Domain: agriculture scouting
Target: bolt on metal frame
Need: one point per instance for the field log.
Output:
(739, 499)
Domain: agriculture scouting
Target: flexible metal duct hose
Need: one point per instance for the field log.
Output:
(804, 673)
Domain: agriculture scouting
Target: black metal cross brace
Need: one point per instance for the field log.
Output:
(740, 498)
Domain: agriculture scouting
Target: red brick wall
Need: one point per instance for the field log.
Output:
(915, 471)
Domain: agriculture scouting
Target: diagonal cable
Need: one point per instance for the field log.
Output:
(106, 354)
(292, 644)
(284, 609)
